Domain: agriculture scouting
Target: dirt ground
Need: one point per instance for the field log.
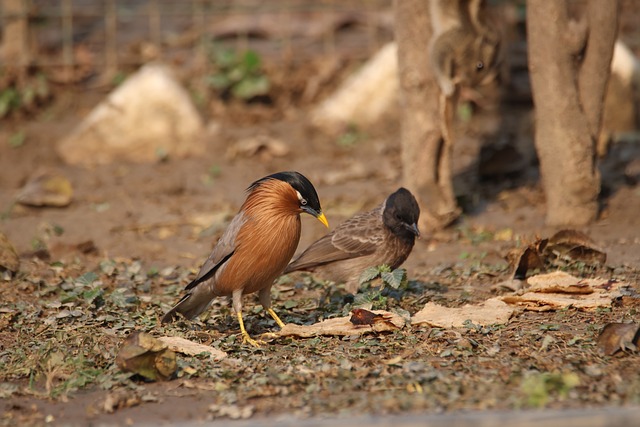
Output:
(144, 230)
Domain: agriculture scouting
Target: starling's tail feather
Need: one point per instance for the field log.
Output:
(172, 314)
(190, 306)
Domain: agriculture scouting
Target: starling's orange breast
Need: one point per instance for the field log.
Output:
(264, 246)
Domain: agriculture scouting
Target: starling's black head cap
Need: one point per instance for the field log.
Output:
(299, 182)
(401, 213)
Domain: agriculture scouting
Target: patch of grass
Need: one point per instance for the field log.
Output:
(213, 173)
(475, 235)
(350, 137)
(118, 78)
(17, 139)
(540, 389)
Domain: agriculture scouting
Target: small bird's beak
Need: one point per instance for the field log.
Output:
(414, 229)
(317, 214)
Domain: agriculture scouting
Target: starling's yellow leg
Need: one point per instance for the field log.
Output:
(265, 299)
(245, 334)
(275, 317)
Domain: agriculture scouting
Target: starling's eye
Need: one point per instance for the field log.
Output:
(303, 201)
(479, 65)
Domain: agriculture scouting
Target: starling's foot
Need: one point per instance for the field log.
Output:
(245, 335)
(275, 317)
(247, 339)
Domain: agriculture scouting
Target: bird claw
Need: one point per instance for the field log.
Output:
(247, 339)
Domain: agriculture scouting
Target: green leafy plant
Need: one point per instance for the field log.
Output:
(9, 101)
(15, 96)
(373, 282)
(239, 74)
(393, 278)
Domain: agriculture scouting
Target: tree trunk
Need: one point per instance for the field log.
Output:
(14, 50)
(426, 159)
(569, 68)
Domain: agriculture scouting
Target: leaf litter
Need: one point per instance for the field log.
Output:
(66, 339)
(558, 290)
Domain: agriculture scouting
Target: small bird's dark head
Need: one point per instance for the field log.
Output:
(401, 213)
(306, 193)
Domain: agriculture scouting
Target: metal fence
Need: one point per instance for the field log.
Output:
(115, 34)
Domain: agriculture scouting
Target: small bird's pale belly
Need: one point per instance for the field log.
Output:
(349, 270)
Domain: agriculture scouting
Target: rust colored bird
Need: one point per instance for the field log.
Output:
(255, 248)
(384, 235)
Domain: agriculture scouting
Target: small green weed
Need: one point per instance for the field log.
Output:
(238, 74)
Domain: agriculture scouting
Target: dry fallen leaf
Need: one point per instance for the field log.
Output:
(342, 326)
(558, 290)
(558, 282)
(492, 311)
(360, 317)
(512, 285)
(525, 260)
(354, 171)
(576, 246)
(565, 245)
(190, 348)
(264, 146)
(147, 356)
(9, 261)
(618, 336)
(46, 189)
(234, 412)
(119, 400)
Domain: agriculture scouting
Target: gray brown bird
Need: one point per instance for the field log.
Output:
(255, 248)
(384, 235)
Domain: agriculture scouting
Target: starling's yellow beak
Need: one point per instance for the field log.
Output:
(323, 219)
(315, 213)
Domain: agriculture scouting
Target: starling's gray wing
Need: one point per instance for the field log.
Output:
(221, 253)
(360, 235)
(198, 298)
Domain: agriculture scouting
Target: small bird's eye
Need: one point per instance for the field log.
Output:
(479, 65)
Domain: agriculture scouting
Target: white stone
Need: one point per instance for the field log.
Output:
(365, 96)
(148, 117)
